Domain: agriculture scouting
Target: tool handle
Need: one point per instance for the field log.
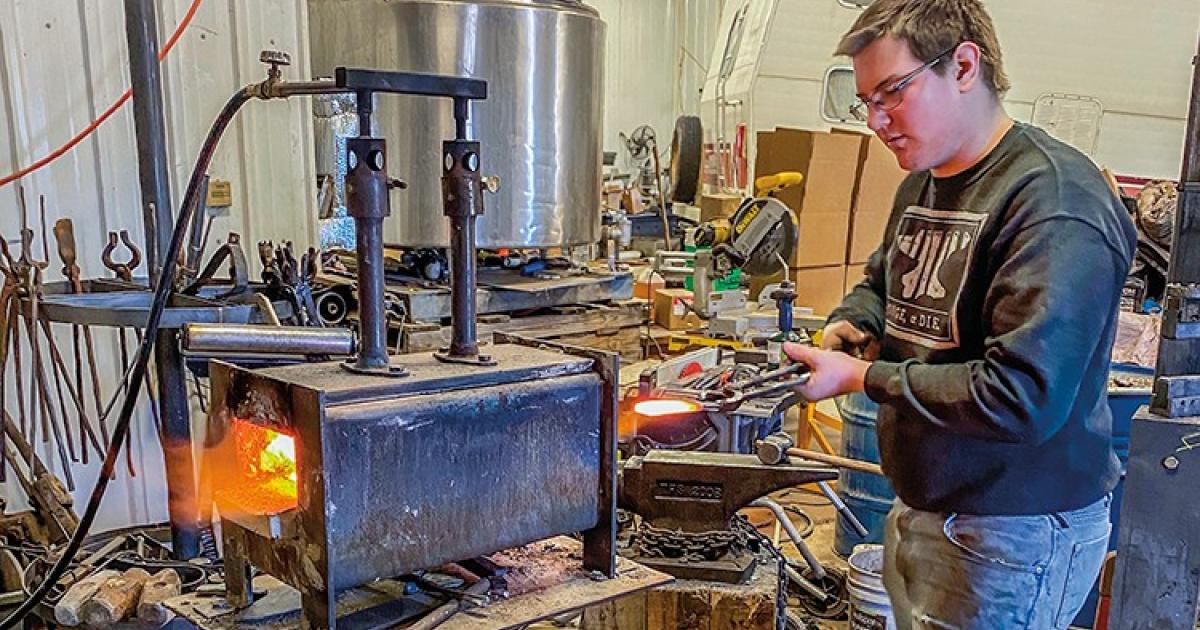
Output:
(847, 463)
(790, 370)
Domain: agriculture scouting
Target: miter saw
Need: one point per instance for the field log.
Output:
(758, 239)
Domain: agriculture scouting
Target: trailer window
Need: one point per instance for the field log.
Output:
(838, 95)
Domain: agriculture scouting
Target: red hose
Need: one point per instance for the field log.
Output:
(112, 109)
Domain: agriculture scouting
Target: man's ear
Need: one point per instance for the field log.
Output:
(967, 65)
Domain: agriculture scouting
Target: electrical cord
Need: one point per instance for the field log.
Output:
(163, 288)
(106, 114)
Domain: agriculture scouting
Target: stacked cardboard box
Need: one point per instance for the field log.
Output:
(842, 207)
(822, 204)
(878, 178)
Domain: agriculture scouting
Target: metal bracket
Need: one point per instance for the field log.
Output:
(445, 356)
(393, 371)
(1181, 316)
(1176, 396)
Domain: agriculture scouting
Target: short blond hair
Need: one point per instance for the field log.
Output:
(930, 27)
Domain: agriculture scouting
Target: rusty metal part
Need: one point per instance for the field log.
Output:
(239, 270)
(233, 339)
(46, 493)
(367, 201)
(123, 270)
(695, 496)
(85, 427)
(293, 278)
(444, 612)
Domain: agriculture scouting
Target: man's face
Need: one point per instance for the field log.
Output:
(924, 130)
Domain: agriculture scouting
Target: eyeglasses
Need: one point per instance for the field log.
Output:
(888, 98)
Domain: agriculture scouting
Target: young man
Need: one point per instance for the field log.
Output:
(983, 329)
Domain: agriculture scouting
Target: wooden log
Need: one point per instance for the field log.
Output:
(66, 611)
(160, 587)
(115, 599)
(694, 605)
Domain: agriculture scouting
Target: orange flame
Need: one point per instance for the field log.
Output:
(666, 407)
(264, 479)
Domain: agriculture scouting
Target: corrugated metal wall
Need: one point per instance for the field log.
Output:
(656, 59)
(62, 62)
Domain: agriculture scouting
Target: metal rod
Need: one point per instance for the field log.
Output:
(175, 435)
(368, 233)
(463, 340)
(368, 204)
(798, 540)
(141, 31)
(257, 339)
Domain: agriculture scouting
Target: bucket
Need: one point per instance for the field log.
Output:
(870, 608)
(868, 496)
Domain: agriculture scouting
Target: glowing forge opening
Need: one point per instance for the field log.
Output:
(658, 407)
(263, 480)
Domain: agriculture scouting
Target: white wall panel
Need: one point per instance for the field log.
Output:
(656, 60)
(62, 62)
(1133, 57)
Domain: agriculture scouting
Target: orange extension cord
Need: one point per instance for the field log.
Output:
(112, 109)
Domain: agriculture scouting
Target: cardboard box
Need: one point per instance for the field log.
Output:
(866, 234)
(647, 283)
(854, 275)
(671, 313)
(718, 206)
(823, 202)
(820, 288)
(878, 178)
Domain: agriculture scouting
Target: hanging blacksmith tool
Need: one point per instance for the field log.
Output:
(124, 271)
(29, 273)
(239, 270)
(51, 501)
(10, 309)
(7, 293)
(292, 279)
(64, 234)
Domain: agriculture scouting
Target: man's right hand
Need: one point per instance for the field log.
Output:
(845, 337)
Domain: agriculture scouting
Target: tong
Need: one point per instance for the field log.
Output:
(761, 386)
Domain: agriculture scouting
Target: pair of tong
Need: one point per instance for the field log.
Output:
(764, 385)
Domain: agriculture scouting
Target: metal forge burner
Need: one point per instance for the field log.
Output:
(336, 474)
(395, 475)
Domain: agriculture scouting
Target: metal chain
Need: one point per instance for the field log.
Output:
(655, 542)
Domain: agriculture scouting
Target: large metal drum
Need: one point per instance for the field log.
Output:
(540, 126)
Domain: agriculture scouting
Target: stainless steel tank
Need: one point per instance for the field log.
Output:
(540, 126)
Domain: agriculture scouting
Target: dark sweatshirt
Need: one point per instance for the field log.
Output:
(994, 296)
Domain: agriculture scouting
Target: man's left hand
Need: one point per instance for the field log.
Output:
(833, 373)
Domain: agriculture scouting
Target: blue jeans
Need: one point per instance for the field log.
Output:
(964, 572)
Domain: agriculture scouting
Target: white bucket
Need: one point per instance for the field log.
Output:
(870, 608)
